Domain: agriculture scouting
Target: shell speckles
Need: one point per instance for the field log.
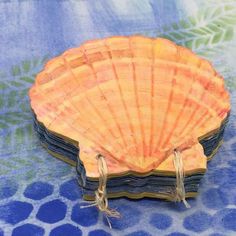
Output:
(133, 100)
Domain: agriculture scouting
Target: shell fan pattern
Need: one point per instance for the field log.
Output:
(151, 109)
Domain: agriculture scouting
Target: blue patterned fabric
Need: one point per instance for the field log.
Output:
(39, 194)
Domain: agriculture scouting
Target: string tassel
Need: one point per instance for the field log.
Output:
(101, 200)
(180, 190)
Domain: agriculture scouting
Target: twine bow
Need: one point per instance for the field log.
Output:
(180, 190)
(101, 194)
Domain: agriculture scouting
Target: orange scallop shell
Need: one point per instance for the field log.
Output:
(133, 100)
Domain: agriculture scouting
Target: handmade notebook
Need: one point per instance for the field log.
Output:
(138, 116)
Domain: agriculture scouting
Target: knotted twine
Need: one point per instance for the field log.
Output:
(101, 200)
(179, 168)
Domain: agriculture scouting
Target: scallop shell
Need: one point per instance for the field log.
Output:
(133, 100)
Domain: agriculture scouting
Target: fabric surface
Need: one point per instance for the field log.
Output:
(39, 194)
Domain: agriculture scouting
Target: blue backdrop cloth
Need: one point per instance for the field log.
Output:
(39, 195)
